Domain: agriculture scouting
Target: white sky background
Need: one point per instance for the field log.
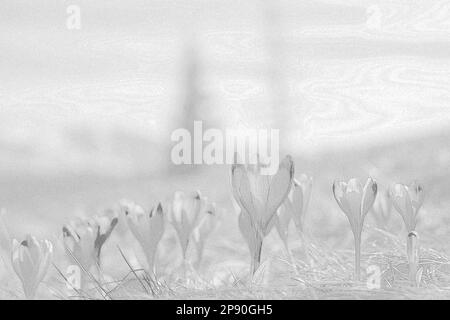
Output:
(338, 72)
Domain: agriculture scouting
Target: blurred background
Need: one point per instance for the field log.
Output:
(356, 88)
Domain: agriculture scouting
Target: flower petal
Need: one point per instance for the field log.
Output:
(247, 230)
(283, 218)
(241, 188)
(280, 185)
(417, 195)
(369, 195)
(300, 195)
(339, 192)
(349, 197)
(402, 203)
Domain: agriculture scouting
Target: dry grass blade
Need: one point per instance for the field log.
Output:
(100, 289)
(78, 291)
(133, 271)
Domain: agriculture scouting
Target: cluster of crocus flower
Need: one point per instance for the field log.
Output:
(193, 216)
(259, 197)
(265, 202)
(84, 238)
(356, 200)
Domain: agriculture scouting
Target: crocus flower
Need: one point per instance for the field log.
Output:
(147, 228)
(355, 200)
(185, 215)
(382, 209)
(294, 207)
(208, 223)
(30, 260)
(407, 200)
(298, 200)
(259, 196)
(84, 238)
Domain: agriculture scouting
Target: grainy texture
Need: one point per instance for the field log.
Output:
(357, 88)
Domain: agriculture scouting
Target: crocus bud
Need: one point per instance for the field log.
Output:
(382, 209)
(30, 260)
(147, 228)
(407, 201)
(185, 214)
(355, 200)
(294, 208)
(298, 200)
(207, 224)
(259, 196)
(84, 238)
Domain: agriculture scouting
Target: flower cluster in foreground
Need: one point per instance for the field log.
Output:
(265, 202)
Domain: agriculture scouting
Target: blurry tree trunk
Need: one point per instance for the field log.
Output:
(192, 106)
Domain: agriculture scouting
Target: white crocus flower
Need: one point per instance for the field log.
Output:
(408, 200)
(185, 214)
(30, 260)
(84, 239)
(260, 196)
(294, 207)
(355, 200)
(147, 228)
(208, 223)
(382, 209)
(298, 200)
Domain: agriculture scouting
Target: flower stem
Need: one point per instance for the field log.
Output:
(151, 263)
(29, 292)
(357, 257)
(200, 248)
(413, 255)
